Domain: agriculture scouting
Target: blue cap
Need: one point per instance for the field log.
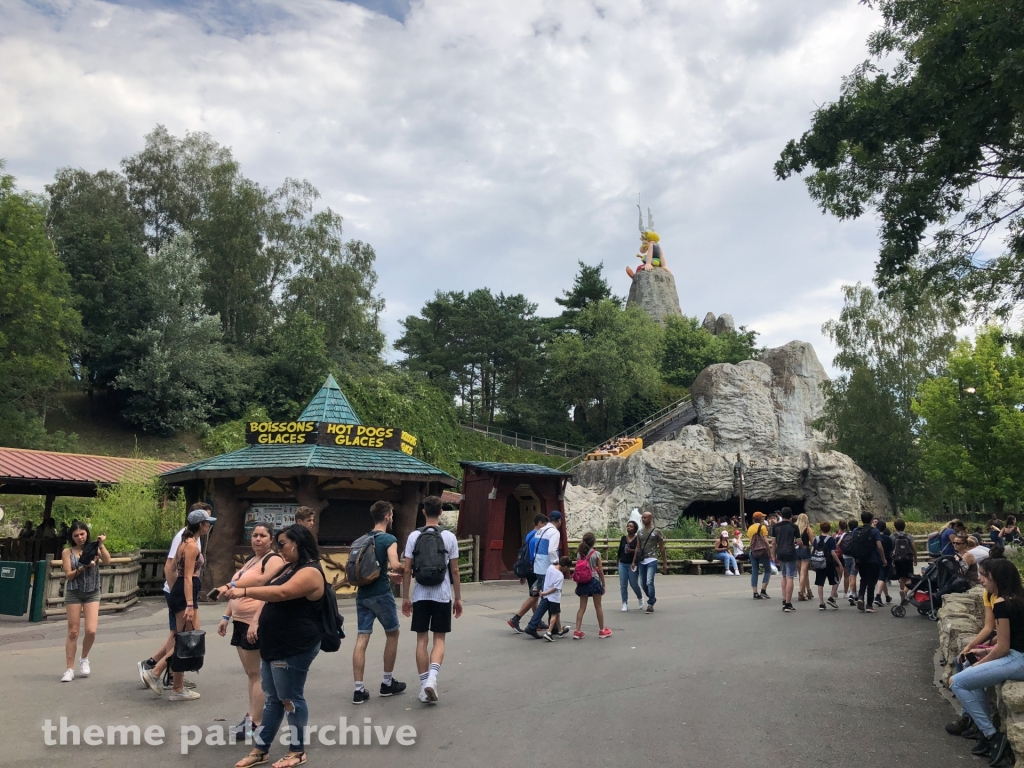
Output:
(554, 515)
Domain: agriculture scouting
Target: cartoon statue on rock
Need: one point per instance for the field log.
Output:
(651, 253)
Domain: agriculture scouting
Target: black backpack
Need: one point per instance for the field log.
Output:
(858, 543)
(331, 619)
(902, 548)
(524, 563)
(429, 557)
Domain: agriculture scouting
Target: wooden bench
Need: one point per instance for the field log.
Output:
(695, 567)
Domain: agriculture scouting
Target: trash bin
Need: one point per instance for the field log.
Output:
(15, 582)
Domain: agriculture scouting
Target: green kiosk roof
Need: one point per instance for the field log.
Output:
(328, 405)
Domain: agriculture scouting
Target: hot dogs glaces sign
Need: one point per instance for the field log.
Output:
(326, 433)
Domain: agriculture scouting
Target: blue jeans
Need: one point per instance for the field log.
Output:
(628, 578)
(285, 680)
(538, 615)
(969, 686)
(646, 573)
(729, 560)
(760, 562)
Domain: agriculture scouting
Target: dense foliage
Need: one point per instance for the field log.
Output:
(929, 133)
(885, 351)
(581, 376)
(38, 324)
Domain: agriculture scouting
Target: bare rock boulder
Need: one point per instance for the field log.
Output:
(709, 322)
(696, 438)
(654, 291)
(797, 376)
(724, 324)
(735, 403)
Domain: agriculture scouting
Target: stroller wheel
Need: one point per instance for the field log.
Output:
(899, 611)
(933, 616)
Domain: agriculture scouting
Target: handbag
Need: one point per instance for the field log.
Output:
(189, 650)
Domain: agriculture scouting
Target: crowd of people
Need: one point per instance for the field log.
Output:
(273, 617)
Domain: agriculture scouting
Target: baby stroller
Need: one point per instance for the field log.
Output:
(925, 592)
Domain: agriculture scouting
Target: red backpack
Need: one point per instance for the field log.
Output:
(583, 573)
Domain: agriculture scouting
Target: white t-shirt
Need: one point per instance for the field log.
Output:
(737, 546)
(548, 538)
(980, 553)
(442, 593)
(553, 579)
(175, 543)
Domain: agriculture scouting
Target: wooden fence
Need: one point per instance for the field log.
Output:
(119, 585)
(681, 552)
(151, 566)
(28, 550)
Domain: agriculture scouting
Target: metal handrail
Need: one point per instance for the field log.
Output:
(488, 429)
(633, 431)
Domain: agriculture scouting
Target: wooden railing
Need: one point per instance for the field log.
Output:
(119, 585)
(681, 551)
(28, 550)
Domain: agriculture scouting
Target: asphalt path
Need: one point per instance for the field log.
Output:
(712, 678)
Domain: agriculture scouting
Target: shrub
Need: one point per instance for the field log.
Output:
(136, 516)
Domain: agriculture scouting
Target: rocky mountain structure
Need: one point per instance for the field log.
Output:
(759, 413)
(718, 325)
(654, 291)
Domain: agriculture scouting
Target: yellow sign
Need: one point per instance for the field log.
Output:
(281, 432)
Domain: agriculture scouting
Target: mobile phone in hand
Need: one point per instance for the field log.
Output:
(213, 594)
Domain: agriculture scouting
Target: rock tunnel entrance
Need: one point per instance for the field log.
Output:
(701, 510)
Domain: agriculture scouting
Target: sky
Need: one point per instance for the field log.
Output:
(480, 144)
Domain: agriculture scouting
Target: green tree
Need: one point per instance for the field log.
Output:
(100, 240)
(885, 350)
(588, 287)
(334, 287)
(689, 349)
(38, 323)
(184, 375)
(927, 133)
(972, 432)
(295, 364)
(612, 358)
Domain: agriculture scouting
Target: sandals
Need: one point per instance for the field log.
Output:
(291, 760)
(253, 758)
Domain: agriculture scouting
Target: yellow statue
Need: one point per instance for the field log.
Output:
(651, 253)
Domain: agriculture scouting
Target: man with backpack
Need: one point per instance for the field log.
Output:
(375, 601)
(432, 558)
(546, 541)
(651, 541)
(525, 571)
(904, 555)
(864, 544)
(760, 555)
(785, 534)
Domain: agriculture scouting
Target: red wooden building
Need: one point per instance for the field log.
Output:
(499, 504)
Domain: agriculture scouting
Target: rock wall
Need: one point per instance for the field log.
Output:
(762, 410)
(961, 617)
(667, 477)
(654, 291)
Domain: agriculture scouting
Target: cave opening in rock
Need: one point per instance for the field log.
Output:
(701, 510)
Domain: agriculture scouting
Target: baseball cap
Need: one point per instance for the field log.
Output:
(759, 515)
(554, 515)
(200, 516)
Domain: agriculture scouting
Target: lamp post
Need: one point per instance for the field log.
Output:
(737, 472)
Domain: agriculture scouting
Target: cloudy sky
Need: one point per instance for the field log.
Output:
(480, 143)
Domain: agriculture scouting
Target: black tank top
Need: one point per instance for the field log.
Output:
(290, 627)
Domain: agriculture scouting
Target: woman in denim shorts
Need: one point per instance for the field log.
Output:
(82, 594)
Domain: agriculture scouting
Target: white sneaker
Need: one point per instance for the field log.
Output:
(423, 696)
(431, 689)
(625, 607)
(728, 573)
(183, 695)
(151, 682)
(83, 668)
(68, 676)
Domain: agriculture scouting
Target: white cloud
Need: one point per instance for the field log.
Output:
(480, 144)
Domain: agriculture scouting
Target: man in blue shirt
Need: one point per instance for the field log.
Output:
(955, 528)
(376, 602)
(535, 579)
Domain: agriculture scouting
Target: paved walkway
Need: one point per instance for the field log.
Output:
(712, 679)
